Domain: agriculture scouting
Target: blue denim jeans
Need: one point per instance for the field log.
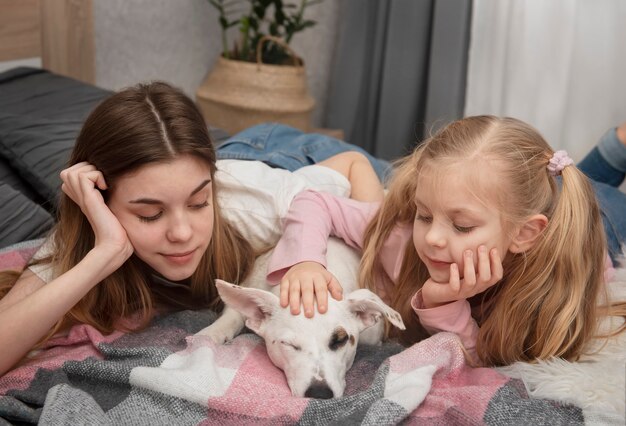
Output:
(605, 165)
(288, 148)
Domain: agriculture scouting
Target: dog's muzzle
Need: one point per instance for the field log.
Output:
(319, 389)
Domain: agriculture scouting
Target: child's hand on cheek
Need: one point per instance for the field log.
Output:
(473, 282)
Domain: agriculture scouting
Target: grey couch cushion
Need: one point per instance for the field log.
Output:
(10, 176)
(20, 218)
(39, 149)
(41, 114)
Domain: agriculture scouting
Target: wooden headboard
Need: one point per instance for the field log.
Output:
(60, 32)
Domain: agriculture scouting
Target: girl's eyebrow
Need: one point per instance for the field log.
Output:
(199, 187)
(155, 201)
(452, 212)
(462, 211)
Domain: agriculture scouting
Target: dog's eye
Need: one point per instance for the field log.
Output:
(290, 345)
(337, 340)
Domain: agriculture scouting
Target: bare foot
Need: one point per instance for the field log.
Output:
(621, 133)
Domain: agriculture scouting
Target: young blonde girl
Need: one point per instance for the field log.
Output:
(485, 232)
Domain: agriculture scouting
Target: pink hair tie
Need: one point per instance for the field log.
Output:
(558, 162)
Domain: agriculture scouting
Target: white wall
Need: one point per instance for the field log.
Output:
(560, 65)
(178, 41)
(28, 62)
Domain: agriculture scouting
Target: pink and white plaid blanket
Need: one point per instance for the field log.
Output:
(166, 375)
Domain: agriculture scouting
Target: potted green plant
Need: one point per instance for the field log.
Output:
(259, 78)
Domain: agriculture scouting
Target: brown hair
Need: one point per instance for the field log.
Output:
(546, 303)
(145, 124)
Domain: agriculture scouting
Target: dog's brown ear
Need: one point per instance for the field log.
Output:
(368, 307)
(256, 305)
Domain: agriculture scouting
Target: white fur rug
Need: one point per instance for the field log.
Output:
(596, 383)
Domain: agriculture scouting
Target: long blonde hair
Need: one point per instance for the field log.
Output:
(140, 125)
(546, 303)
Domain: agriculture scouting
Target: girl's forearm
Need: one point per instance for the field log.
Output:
(26, 321)
(364, 181)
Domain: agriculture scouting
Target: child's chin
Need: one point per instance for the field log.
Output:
(440, 277)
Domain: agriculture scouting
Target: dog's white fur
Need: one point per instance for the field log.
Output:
(314, 353)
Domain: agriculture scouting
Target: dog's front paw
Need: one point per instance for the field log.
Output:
(225, 328)
(218, 335)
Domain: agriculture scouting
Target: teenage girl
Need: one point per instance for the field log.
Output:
(140, 222)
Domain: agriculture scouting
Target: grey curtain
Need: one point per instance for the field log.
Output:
(398, 72)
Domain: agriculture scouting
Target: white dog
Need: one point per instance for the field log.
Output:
(314, 353)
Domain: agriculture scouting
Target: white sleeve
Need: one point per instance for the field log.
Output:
(324, 179)
(255, 197)
(44, 271)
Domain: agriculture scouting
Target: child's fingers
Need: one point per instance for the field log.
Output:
(469, 273)
(321, 294)
(284, 292)
(335, 289)
(455, 279)
(497, 271)
(294, 297)
(484, 264)
(308, 298)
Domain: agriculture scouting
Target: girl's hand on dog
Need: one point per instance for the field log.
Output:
(473, 282)
(82, 182)
(308, 282)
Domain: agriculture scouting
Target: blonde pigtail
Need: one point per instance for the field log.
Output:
(549, 300)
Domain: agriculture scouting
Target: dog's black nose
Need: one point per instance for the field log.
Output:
(320, 390)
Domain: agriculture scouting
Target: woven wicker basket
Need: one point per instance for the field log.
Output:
(239, 94)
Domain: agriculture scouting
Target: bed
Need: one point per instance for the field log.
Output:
(167, 375)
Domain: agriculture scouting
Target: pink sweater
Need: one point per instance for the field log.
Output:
(313, 216)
